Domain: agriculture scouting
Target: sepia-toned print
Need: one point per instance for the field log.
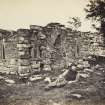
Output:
(52, 52)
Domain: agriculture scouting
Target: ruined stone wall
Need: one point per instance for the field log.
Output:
(57, 42)
(10, 47)
(92, 44)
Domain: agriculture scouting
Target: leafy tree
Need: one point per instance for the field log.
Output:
(74, 22)
(96, 11)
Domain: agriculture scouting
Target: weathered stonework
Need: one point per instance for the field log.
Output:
(24, 52)
(53, 44)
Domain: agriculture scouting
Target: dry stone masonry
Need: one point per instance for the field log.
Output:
(24, 52)
(54, 44)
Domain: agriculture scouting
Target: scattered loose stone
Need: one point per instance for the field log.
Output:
(78, 96)
(80, 66)
(97, 66)
(47, 68)
(88, 70)
(47, 80)
(9, 81)
(35, 78)
(84, 75)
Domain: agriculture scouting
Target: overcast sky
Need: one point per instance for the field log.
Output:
(16, 14)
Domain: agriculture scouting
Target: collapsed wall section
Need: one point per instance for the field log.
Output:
(24, 52)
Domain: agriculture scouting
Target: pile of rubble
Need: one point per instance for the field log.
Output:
(82, 80)
(75, 71)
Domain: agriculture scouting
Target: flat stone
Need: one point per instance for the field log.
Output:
(84, 75)
(35, 66)
(47, 80)
(76, 95)
(35, 78)
(47, 68)
(88, 70)
(10, 81)
(80, 66)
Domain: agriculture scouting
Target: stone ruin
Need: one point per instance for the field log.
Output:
(24, 52)
(54, 44)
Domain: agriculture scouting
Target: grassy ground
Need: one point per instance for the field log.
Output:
(34, 93)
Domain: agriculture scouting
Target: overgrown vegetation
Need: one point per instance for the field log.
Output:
(96, 11)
